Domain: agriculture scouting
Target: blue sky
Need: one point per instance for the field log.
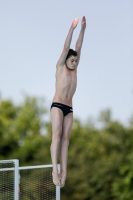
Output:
(31, 40)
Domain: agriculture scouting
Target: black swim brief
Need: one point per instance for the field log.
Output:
(65, 109)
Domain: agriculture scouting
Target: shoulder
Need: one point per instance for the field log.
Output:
(60, 67)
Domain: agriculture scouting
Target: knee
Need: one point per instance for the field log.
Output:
(65, 140)
(56, 136)
(55, 142)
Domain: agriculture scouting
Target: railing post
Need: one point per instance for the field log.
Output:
(16, 180)
(58, 187)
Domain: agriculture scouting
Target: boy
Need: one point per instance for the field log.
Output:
(61, 108)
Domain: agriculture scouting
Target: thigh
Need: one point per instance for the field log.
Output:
(56, 120)
(67, 125)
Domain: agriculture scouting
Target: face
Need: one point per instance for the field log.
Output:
(71, 62)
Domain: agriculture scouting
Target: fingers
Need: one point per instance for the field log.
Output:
(83, 22)
(83, 19)
(75, 22)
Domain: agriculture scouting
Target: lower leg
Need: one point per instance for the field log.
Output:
(54, 155)
(63, 160)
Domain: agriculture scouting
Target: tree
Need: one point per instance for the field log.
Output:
(20, 131)
(100, 160)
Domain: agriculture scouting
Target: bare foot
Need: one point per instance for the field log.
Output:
(59, 176)
(62, 176)
(56, 179)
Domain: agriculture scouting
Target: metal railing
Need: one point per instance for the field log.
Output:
(17, 174)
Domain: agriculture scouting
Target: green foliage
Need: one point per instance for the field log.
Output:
(20, 131)
(100, 160)
(99, 165)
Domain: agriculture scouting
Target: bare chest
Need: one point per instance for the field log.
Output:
(66, 76)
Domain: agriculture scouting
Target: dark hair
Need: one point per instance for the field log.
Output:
(71, 52)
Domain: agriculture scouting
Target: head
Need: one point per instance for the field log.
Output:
(71, 59)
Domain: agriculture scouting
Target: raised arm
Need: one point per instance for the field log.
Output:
(66, 48)
(80, 38)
